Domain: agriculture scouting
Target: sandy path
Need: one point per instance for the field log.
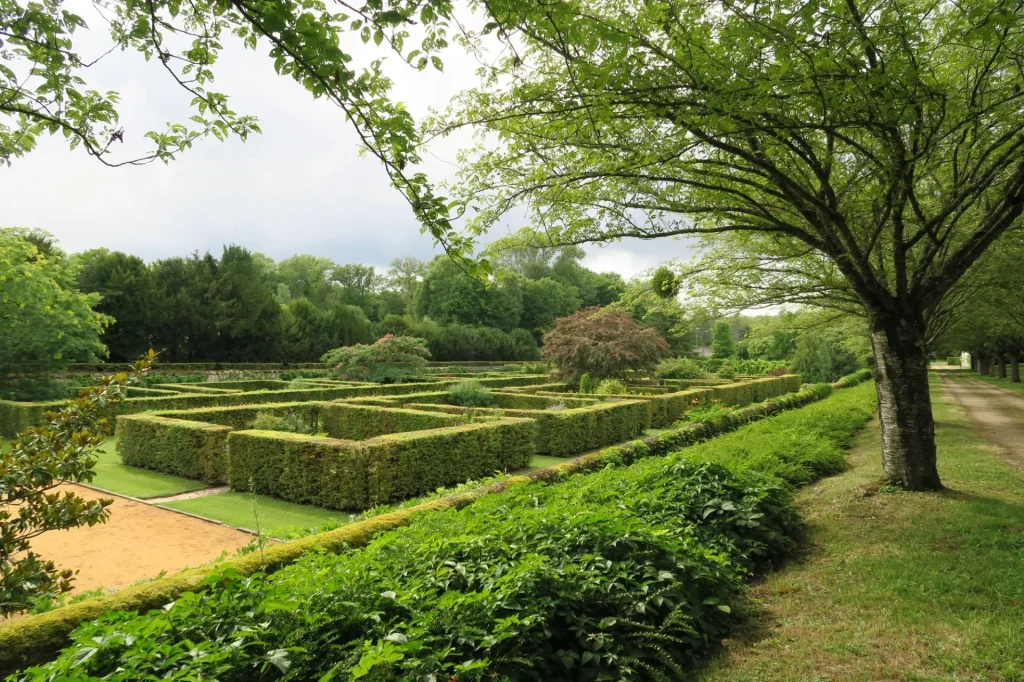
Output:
(138, 541)
(999, 414)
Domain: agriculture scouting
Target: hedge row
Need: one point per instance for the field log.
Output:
(356, 475)
(191, 449)
(860, 376)
(37, 638)
(359, 422)
(563, 433)
(625, 574)
(16, 416)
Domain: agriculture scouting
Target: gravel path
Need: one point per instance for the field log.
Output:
(998, 414)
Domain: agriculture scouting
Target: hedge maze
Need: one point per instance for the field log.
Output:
(369, 444)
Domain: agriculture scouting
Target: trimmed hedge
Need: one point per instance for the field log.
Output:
(563, 433)
(355, 475)
(37, 638)
(506, 585)
(191, 449)
(16, 416)
(359, 422)
(860, 376)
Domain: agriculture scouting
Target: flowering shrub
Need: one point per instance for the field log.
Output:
(392, 359)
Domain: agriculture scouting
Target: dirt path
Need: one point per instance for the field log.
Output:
(998, 414)
(139, 541)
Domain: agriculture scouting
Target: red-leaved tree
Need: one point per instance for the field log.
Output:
(602, 342)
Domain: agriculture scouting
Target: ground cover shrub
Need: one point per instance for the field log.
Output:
(626, 574)
(611, 386)
(726, 372)
(355, 475)
(391, 359)
(290, 422)
(470, 394)
(679, 368)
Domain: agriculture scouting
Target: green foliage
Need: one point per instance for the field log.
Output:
(353, 421)
(190, 449)
(289, 422)
(726, 372)
(665, 283)
(819, 358)
(470, 394)
(587, 384)
(676, 535)
(45, 323)
(666, 315)
(602, 342)
(612, 386)
(723, 345)
(391, 359)
(339, 474)
(679, 368)
(953, 361)
(39, 460)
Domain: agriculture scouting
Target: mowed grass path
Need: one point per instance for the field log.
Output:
(896, 586)
(119, 478)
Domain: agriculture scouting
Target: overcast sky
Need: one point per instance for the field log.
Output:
(300, 187)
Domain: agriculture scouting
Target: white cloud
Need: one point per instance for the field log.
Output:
(301, 187)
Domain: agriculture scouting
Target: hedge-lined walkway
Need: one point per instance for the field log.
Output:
(925, 586)
(139, 541)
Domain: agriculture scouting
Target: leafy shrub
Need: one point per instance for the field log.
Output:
(556, 407)
(536, 368)
(470, 394)
(953, 361)
(392, 359)
(612, 386)
(646, 559)
(679, 368)
(602, 342)
(726, 372)
(586, 384)
(288, 423)
(819, 358)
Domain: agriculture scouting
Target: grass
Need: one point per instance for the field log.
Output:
(925, 586)
(116, 477)
(276, 517)
(996, 381)
(542, 462)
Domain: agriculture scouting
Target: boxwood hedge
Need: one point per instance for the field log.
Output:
(354, 475)
(625, 574)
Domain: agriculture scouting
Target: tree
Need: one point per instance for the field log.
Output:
(544, 300)
(404, 276)
(125, 286)
(392, 359)
(45, 322)
(250, 325)
(723, 346)
(307, 277)
(449, 294)
(850, 155)
(602, 342)
(37, 462)
(667, 315)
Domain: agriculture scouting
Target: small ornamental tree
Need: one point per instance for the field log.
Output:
(723, 346)
(602, 342)
(39, 460)
(392, 359)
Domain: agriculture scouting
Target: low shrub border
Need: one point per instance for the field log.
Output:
(356, 475)
(37, 638)
(16, 416)
(191, 449)
(360, 421)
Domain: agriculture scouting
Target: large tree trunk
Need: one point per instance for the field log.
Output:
(1002, 366)
(1015, 369)
(904, 404)
(993, 367)
(983, 365)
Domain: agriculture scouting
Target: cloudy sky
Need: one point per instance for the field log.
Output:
(300, 187)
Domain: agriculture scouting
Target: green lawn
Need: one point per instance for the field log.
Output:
(544, 461)
(125, 480)
(896, 586)
(276, 517)
(996, 381)
(117, 478)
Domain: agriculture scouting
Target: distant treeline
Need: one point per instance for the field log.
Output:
(244, 307)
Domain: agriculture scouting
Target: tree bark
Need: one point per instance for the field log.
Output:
(983, 365)
(993, 367)
(1015, 368)
(904, 403)
(1002, 366)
